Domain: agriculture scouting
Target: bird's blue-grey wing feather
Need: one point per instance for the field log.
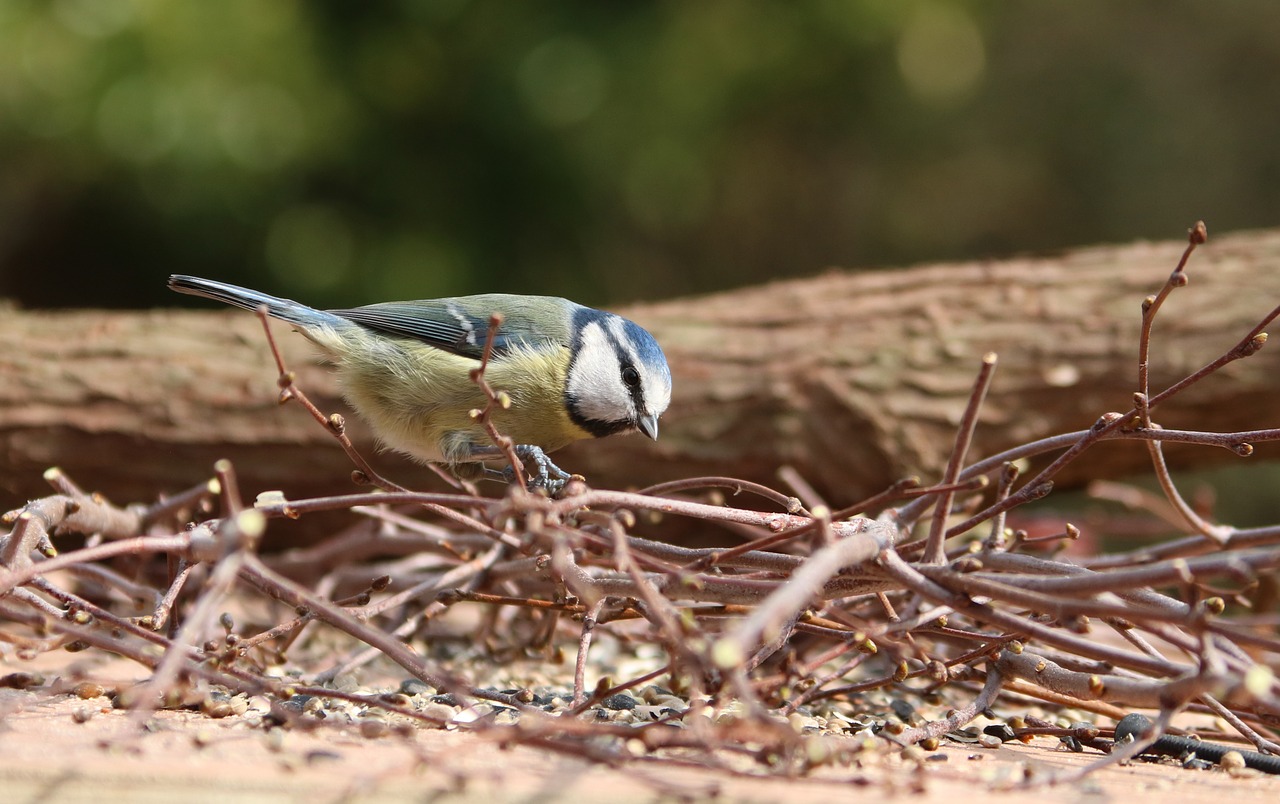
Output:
(447, 324)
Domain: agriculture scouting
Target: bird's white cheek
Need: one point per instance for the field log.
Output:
(594, 382)
(598, 396)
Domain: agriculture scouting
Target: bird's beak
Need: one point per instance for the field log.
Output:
(649, 426)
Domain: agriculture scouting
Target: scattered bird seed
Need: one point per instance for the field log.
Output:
(22, 680)
(415, 686)
(1000, 730)
(619, 701)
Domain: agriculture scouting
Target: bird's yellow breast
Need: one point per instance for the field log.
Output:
(418, 398)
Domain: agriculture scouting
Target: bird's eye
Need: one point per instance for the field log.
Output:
(630, 376)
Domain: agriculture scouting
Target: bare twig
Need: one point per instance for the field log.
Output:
(934, 546)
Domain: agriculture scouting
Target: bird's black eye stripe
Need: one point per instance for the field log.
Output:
(630, 376)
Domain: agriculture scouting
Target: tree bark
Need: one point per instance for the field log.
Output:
(855, 379)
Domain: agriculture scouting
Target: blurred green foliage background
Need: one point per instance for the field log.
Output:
(349, 152)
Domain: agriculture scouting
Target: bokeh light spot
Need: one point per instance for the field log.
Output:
(310, 246)
(262, 126)
(53, 61)
(95, 18)
(563, 81)
(941, 54)
(138, 121)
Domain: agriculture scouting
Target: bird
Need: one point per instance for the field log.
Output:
(570, 372)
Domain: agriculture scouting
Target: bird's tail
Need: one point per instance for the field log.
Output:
(283, 309)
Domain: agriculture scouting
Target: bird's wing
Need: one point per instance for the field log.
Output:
(460, 326)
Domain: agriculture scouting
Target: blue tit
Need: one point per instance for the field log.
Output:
(571, 372)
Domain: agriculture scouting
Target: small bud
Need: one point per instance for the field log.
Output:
(448, 597)
(1106, 420)
(1198, 234)
(1255, 343)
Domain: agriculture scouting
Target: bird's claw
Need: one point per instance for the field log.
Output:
(546, 475)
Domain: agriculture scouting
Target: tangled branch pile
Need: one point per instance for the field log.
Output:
(823, 638)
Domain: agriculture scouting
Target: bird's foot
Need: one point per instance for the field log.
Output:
(546, 475)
